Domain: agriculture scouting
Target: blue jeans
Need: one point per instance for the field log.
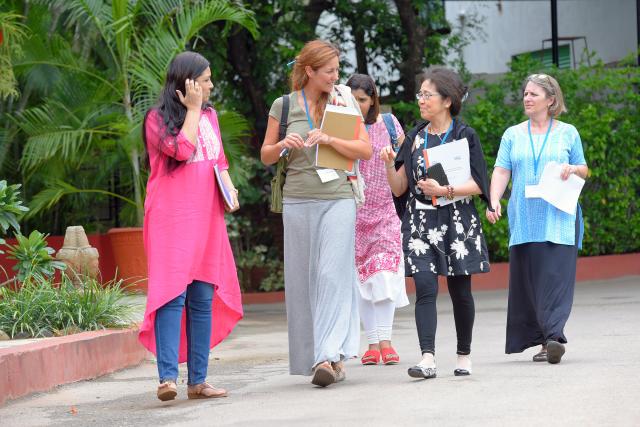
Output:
(197, 302)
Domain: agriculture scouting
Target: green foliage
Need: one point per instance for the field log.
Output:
(602, 104)
(33, 256)
(407, 113)
(12, 33)
(10, 207)
(92, 70)
(42, 308)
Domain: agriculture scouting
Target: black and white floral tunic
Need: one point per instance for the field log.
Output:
(446, 240)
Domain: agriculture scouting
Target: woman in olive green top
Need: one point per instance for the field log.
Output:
(319, 213)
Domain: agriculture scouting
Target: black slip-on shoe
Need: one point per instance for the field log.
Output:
(555, 351)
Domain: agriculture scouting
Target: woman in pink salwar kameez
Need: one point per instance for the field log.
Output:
(185, 236)
(379, 258)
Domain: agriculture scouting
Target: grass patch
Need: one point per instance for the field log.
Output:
(41, 308)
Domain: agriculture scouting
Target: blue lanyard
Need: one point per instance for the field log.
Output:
(306, 110)
(536, 159)
(442, 140)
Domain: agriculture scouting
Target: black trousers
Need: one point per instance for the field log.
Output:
(426, 314)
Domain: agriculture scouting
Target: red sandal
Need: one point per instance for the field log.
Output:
(389, 356)
(371, 357)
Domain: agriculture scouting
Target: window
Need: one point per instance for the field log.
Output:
(545, 56)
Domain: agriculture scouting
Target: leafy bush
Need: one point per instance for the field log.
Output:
(43, 308)
(602, 104)
(10, 208)
(33, 257)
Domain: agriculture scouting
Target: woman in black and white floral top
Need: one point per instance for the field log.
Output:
(447, 239)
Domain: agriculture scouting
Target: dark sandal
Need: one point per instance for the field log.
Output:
(555, 351)
(540, 356)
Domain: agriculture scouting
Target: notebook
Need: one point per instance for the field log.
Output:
(226, 194)
(338, 122)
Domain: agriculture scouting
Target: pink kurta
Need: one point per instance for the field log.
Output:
(185, 236)
(378, 241)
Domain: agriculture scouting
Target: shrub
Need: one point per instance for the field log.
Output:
(10, 208)
(34, 257)
(602, 104)
(44, 308)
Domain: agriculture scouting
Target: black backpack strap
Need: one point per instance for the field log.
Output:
(284, 118)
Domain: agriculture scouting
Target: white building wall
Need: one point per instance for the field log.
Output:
(513, 27)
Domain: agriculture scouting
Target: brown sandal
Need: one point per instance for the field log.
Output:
(340, 373)
(323, 375)
(167, 390)
(205, 391)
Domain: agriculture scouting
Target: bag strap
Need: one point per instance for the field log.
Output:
(391, 128)
(284, 118)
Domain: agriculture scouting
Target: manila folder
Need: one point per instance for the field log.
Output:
(338, 122)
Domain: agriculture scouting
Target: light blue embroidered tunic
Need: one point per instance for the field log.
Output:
(535, 220)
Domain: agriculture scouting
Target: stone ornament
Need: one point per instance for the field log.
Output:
(80, 257)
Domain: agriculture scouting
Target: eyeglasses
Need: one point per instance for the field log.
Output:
(425, 95)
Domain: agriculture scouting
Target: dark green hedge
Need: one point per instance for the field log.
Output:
(602, 104)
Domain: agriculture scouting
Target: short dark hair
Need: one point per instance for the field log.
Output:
(368, 86)
(448, 84)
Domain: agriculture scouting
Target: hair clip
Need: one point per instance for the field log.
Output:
(291, 63)
(465, 96)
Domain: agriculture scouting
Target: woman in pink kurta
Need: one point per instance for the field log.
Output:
(379, 258)
(193, 299)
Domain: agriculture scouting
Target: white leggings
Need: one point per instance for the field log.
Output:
(377, 319)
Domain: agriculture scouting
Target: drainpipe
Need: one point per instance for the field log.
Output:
(554, 33)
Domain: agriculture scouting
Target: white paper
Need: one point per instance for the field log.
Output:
(327, 175)
(454, 157)
(423, 206)
(563, 194)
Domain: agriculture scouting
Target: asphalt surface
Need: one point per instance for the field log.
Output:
(596, 384)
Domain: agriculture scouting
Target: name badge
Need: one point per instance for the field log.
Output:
(327, 175)
(532, 192)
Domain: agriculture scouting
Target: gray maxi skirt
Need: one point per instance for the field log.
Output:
(320, 282)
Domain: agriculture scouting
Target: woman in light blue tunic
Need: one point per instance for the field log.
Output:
(544, 240)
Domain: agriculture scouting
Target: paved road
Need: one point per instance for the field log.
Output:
(597, 382)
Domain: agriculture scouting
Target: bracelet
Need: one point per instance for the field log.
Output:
(450, 193)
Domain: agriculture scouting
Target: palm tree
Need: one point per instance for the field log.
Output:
(106, 83)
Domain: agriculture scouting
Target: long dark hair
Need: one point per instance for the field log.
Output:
(368, 86)
(186, 65)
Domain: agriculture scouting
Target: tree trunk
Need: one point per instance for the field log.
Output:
(242, 57)
(361, 53)
(315, 9)
(416, 36)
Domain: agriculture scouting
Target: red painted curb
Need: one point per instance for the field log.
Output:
(41, 366)
(589, 268)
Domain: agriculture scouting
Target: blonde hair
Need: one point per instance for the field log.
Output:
(551, 89)
(314, 54)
